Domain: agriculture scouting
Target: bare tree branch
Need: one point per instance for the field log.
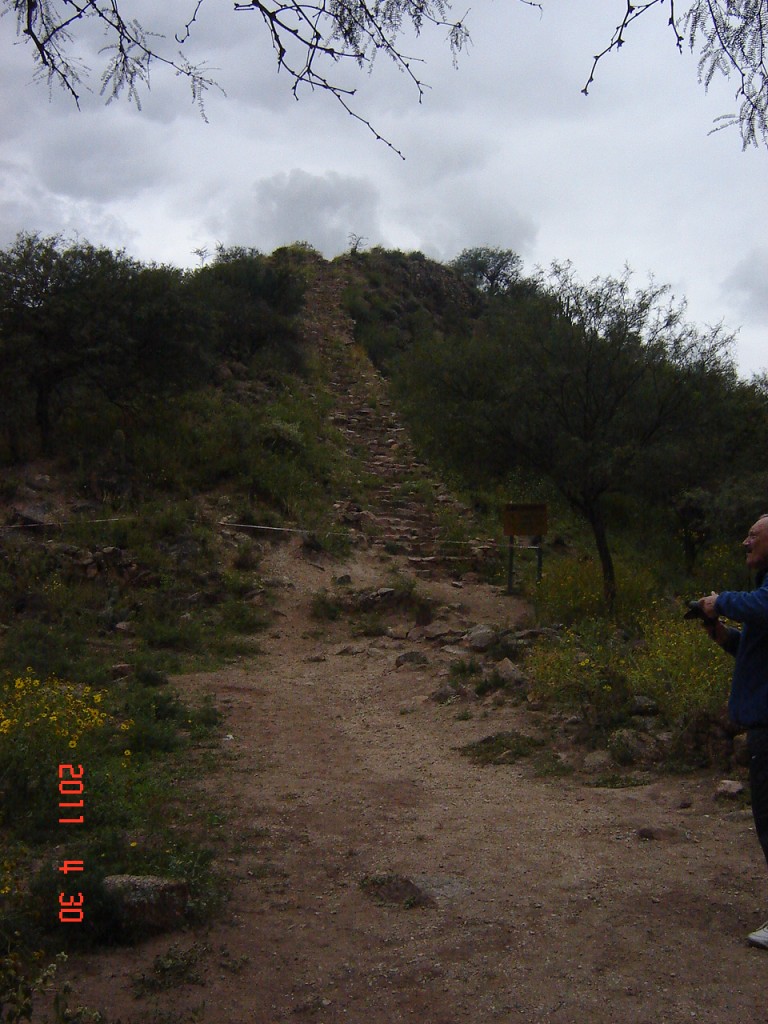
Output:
(312, 39)
(730, 36)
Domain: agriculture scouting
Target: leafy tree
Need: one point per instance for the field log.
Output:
(75, 318)
(490, 270)
(311, 37)
(603, 388)
(607, 381)
(252, 301)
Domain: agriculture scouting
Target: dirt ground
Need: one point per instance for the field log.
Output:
(379, 876)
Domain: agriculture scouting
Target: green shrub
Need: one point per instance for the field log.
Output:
(325, 606)
(678, 666)
(571, 589)
(585, 671)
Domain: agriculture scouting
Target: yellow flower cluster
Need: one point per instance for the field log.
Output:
(585, 669)
(6, 877)
(61, 710)
(679, 667)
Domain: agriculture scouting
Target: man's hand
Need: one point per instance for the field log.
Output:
(712, 624)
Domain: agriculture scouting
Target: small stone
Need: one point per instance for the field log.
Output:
(729, 789)
(411, 658)
(437, 630)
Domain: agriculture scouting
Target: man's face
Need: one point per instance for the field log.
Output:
(756, 545)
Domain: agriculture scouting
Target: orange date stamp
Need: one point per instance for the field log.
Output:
(71, 786)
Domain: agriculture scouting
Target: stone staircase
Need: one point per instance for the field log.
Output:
(401, 514)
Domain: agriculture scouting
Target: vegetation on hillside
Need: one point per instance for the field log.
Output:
(602, 400)
(601, 393)
(141, 408)
(146, 405)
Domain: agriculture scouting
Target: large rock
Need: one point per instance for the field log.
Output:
(509, 673)
(630, 746)
(411, 658)
(597, 761)
(729, 789)
(147, 903)
(481, 637)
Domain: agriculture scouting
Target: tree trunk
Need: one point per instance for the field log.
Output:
(43, 414)
(594, 515)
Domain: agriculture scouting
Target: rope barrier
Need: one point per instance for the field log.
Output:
(61, 526)
(491, 542)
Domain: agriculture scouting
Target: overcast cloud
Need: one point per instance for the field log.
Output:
(502, 151)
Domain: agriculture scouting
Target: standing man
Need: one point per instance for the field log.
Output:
(748, 702)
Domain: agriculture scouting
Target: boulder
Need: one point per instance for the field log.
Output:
(509, 673)
(147, 903)
(481, 637)
(629, 746)
(598, 761)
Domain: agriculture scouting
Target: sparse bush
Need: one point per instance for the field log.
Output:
(326, 607)
(501, 748)
(679, 667)
(586, 671)
(570, 590)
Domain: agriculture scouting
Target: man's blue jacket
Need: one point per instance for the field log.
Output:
(748, 702)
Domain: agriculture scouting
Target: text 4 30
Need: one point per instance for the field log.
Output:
(70, 788)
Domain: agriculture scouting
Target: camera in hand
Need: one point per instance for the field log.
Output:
(695, 611)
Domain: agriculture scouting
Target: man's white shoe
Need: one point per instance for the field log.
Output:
(760, 937)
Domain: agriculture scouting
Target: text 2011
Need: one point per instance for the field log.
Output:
(71, 790)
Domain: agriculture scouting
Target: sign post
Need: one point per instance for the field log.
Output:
(528, 521)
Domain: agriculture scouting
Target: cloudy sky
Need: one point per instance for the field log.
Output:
(504, 150)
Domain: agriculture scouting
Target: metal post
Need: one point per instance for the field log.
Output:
(511, 569)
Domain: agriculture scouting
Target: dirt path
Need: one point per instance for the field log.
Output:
(543, 902)
(379, 876)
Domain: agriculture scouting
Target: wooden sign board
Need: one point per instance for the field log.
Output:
(525, 520)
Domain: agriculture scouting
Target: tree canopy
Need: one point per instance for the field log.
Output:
(604, 389)
(489, 268)
(80, 318)
(312, 38)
